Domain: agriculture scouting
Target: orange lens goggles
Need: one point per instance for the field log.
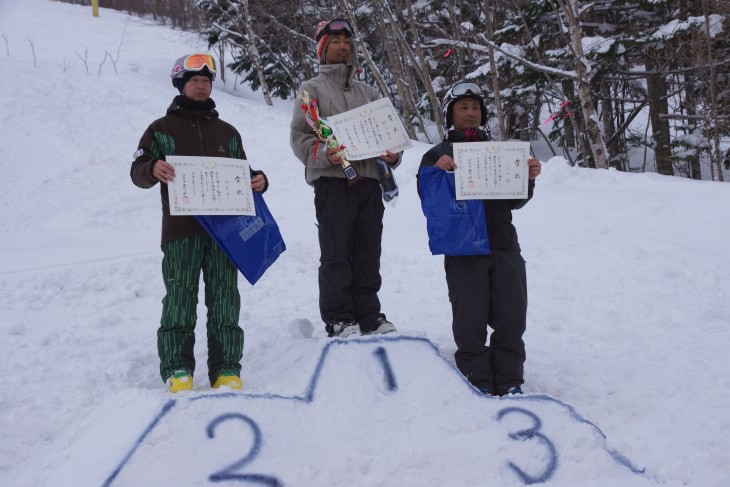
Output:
(196, 62)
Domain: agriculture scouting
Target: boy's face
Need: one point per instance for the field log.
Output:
(466, 114)
(198, 88)
(339, 49)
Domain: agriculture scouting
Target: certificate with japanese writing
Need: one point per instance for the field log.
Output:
(210, 186)
(370, 130)
(491, 170)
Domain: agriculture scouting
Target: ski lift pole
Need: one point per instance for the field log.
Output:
(324, 132)
(95, 8)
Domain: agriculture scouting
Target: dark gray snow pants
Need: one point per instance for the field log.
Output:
(489, 290)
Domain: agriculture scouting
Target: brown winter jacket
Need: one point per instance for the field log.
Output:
(188, 129)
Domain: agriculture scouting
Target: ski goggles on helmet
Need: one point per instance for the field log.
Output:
(334, 27)
(466, 88)
(194, 63)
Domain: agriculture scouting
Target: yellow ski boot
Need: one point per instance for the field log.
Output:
(180, 380)
(230, 381)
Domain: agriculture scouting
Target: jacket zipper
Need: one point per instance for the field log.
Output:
(200, 136)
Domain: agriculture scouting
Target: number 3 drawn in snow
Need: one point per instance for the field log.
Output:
(229, 473)
(529, 434)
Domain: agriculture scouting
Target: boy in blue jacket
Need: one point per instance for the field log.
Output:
(485, 290)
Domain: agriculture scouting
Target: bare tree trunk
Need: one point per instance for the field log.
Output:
(688, 106)
(254, 52)
(221, 46)
(363, 49)
(716, 156)
(410, 111)
(418, 67)
(569, 129)
(569, 120)
(534, 119)
(456, 31)
(609, 128)
(425, 75)
(658, 109)
(493, 72)
(571, 8)
(395, 67)
(410, 89)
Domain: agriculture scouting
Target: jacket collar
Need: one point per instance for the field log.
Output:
(469, 135)
(187, 107)
(341, 73)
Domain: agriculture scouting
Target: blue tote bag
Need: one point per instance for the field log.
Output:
(455, 227)
(252, 243)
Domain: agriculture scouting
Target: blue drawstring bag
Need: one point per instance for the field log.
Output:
(455, 227)
(252, 243)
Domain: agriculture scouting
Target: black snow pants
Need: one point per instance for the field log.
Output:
(350, 226)
(489, 290)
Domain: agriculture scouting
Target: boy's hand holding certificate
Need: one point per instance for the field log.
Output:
(371, 130)
(491, 170)
(210, 186)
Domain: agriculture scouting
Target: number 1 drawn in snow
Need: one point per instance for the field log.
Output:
(382, 356)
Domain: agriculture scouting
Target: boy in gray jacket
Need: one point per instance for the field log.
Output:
(349, 217)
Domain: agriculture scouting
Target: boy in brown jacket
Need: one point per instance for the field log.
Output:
(192, 127)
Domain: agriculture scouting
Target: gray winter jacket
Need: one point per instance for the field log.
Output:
(336, 92)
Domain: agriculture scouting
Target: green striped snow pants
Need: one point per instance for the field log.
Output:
(183, 260)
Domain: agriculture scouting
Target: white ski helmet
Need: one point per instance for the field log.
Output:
(190, 65)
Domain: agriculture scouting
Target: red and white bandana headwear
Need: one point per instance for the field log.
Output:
(322, 44)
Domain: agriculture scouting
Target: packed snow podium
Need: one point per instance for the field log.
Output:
(485, 272)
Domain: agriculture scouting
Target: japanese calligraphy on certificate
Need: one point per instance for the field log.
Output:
(370, 130)
(210, 186)
(491, 170)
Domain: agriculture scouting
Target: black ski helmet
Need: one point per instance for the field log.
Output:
(462, 89)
